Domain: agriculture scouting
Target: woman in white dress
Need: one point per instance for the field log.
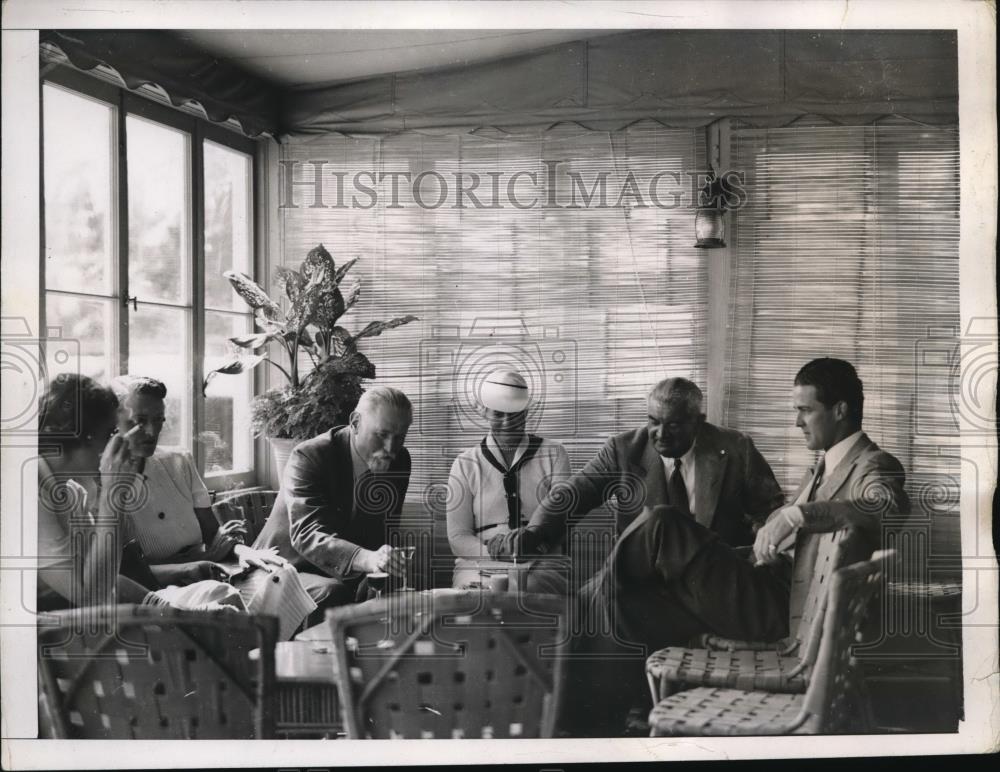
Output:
(179, 535)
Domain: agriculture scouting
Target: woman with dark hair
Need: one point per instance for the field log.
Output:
(89, 489)
(87, 483)
(176, 528)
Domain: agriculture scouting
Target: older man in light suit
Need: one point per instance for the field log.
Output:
(669, 578)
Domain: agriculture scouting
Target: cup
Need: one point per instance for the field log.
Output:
(499, 583)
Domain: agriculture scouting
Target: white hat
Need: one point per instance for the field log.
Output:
(505, 391)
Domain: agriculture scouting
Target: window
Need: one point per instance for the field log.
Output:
(848, 247)
(144, 209)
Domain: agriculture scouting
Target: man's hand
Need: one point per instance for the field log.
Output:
(517, 543)
(385, 558)
(771, 535)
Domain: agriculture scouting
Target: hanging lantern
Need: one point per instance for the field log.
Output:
(709, 220)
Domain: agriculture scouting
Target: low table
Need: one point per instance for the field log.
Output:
(306, 691)
(320, 633)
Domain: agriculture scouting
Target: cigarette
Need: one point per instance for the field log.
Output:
(131, 431)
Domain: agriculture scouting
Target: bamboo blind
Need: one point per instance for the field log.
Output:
(608, 299)
(848, 247)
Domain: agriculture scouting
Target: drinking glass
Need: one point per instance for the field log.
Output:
(408, 553)
(377, 582)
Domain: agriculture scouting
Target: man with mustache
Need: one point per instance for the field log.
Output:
(337, 489)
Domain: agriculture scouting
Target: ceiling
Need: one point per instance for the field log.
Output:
(310, 58)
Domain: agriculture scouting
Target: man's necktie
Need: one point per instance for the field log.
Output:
(510, 485)
(677, 491)
(817, 479)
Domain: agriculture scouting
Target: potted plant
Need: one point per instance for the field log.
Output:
(307, 404)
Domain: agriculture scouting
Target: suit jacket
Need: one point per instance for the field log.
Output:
(735, 488)
(316, 523)
(865, 486)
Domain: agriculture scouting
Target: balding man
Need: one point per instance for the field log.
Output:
(716, 476)
(494, 486)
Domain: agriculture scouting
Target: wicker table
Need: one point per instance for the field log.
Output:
(306, 691)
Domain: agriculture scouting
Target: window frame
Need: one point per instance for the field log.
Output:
(199, 130)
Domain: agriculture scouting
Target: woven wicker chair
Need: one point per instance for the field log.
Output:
(829, 704)
(252, 507)
(128, 672)
(773, 667)
(450, 664)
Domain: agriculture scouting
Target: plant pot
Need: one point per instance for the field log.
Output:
(281, 449)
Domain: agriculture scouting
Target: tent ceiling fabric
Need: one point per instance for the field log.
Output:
(600, 80)
(186, 74)
(296, 59)
(677, 77)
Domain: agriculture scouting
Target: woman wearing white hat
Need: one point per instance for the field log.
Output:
(496, 485)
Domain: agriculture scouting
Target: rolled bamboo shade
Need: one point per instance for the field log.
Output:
(610, 298)
(848, 247)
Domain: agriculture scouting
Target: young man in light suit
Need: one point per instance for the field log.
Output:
(669, 578)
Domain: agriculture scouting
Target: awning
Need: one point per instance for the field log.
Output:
(186, 74)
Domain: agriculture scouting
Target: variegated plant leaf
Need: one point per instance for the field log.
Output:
(377, 328)
(234, 366)
(342, 271)
(318, 265)
(330, 307)
(252, 341)
(352, 297)
(253, 294)
(290, 281)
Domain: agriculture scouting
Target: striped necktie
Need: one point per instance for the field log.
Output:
(817, 479)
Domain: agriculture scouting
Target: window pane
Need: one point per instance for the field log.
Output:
(86, 342)
(79, 191)
(160, 347)
(228, 236)
(226, 438)
(159, 219)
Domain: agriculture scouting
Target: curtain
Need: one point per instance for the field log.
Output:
(591, 303)
(848, 247)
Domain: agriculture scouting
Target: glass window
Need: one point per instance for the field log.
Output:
(79, 134)
(159, 203)
(133, 304)
(226, 439)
